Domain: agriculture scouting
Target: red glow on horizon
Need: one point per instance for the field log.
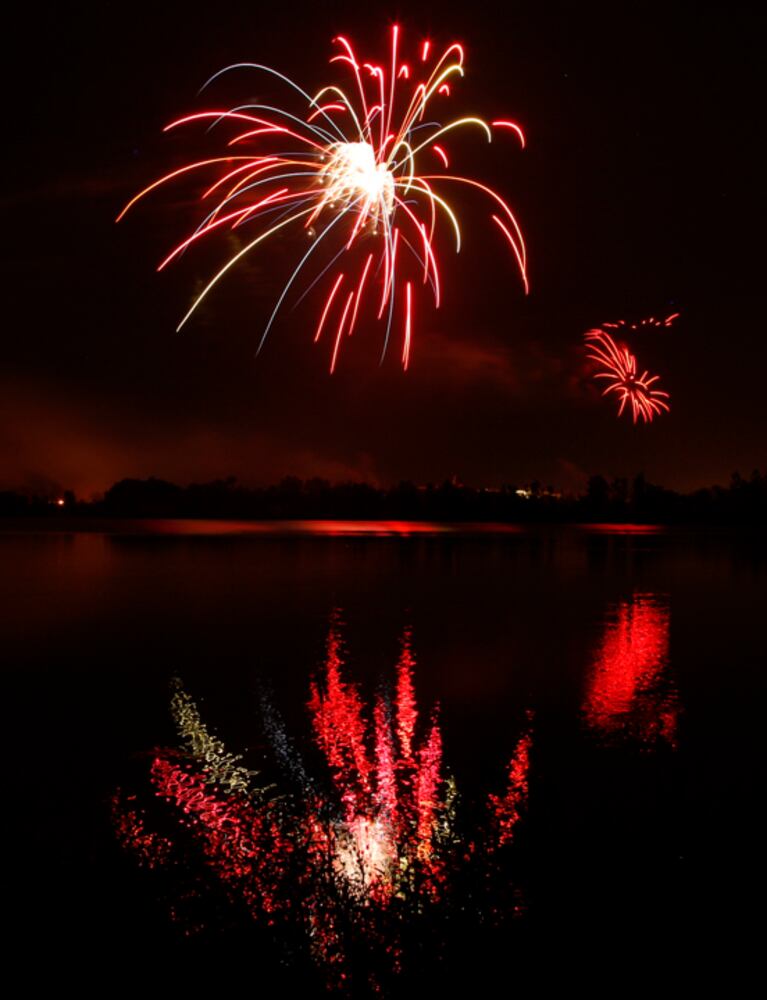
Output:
(626, 529)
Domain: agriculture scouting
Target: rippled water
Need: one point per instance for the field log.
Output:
(639, 651)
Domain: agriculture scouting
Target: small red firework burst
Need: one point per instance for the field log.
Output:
(619, 367)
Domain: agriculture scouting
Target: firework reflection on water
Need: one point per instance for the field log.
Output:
(353, 860)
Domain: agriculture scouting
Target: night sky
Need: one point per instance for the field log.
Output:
(640, 193)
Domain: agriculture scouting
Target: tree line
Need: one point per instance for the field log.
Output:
(744, 500)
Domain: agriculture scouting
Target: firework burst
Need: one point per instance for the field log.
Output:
(619, 367)
(359, 179)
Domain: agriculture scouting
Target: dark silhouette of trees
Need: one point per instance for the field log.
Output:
(744, 501)
(143, 498)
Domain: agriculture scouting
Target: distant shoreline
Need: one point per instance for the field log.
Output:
(617, 502)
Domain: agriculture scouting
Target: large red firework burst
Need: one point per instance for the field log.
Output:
(353, 180)
(619, 367)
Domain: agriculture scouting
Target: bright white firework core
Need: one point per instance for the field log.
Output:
(351, 173)
(365, 852)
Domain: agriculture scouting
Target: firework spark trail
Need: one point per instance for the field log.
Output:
(619, 366)
(355, 162)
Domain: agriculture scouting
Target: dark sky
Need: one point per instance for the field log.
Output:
(640, 192)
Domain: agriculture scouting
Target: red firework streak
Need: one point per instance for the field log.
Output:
(619, 367)
(352, 180)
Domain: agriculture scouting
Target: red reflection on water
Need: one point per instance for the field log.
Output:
(427, 799)
(407, 713)
(262, 861)
(508, 808)
(628, 693)
(386, 761)
(150, 848)
(372, 529)
(625, 529)
(390, 807)
(340, 730)
(240, 843)
(343, 865)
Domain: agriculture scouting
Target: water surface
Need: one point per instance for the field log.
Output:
(639, 650)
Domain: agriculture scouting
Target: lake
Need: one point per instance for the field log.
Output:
(634, 655)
